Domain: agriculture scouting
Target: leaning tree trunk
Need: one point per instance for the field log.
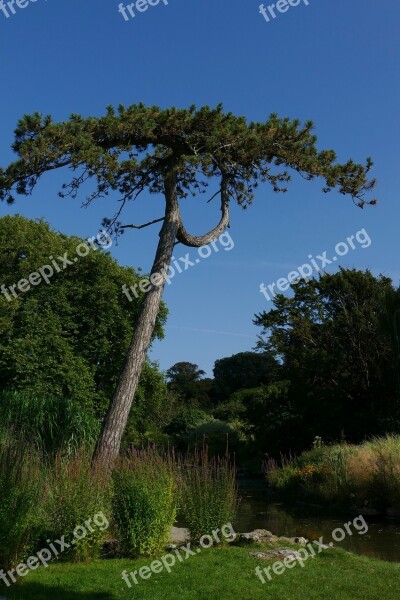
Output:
(109, 442)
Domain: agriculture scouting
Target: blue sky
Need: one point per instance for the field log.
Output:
(334, 61)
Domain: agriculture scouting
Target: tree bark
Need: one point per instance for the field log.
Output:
(109, 442)
(194, 241)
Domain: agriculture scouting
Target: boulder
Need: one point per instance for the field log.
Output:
(258, 536)
(178, 536)
(276, 554)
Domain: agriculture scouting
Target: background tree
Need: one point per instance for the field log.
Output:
(240, 371)
(154, 408)
(390, 318)
(183, 379)
(339, 363)
(63, 344)
(175, 153)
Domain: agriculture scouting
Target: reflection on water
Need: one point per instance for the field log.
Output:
(381, 541)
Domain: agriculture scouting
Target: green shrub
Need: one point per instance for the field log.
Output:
(144, 506)
(187, 420)
(21, 493)
(216, 435)
(77, 493)
(207, 492)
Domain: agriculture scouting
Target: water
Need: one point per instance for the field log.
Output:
(256, 512)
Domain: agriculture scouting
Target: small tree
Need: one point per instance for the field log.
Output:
(183, 380)
(175, 153)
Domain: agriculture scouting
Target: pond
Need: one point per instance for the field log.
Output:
(257, 512)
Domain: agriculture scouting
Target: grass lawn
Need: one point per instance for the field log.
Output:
(216, 574)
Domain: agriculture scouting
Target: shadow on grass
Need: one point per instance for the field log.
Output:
(39, 591)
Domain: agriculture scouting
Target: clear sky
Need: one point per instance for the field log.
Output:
(333, 61)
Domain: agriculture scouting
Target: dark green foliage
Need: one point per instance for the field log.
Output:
(390, 318)
(242, 371)
(339, 363)
(144, 502)
(265, 416)
(184, 379)
(154, 408)
(186, 421)
(79, 325)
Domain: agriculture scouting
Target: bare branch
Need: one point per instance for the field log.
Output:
(142, 226)
(213, 196)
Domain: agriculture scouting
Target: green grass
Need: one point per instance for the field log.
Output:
(219, 573)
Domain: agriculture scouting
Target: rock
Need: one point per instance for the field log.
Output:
(301, 541)
(178, 536)
(258, 536)
(276, 554)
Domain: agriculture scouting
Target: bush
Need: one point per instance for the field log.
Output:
(77, 493)
(207, 492)
(21, 491)
(186, 420)
(216, 435)
(144, 507)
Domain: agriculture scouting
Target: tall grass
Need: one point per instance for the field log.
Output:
(343, 475)
(207, 492)
(144, 502)
(21, 506)
(51, 423)
(76, 492)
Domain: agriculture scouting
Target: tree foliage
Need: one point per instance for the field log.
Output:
(335, 354)
(243, 370)
(67, 339)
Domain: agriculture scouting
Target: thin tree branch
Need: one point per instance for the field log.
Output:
(142, 226)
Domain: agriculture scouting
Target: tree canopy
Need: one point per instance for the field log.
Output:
(335, 353)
